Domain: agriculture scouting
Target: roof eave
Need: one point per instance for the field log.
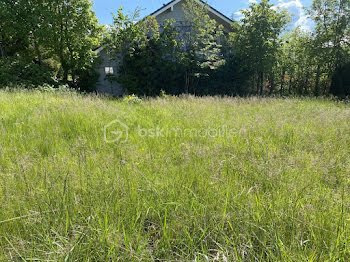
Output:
(211, 9)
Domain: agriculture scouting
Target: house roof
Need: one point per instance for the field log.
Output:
(98, 49)
(210, 9)
(170, 5)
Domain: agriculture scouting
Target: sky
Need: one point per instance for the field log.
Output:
(230, 8)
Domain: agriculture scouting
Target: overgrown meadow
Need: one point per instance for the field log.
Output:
(274, 188)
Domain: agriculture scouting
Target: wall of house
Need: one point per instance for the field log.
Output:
(177, 14)
(104, 85)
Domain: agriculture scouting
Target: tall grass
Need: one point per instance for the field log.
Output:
(275, 189)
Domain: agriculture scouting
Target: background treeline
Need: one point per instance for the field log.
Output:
(47, 42)
(52, 42)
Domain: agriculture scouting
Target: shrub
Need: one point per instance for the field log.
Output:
(132, 99)
(341, 82)
(16, 72)
(52, 89)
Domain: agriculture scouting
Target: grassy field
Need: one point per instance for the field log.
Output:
(190, 179)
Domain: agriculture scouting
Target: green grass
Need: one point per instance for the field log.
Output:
(275, 189)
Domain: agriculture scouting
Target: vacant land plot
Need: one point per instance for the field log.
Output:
(184, 179)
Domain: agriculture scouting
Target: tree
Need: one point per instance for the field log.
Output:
(202, 50)
(21, 27)
(147, 55)
(257, 39)
(154, 59)
(332, 42)
(24, 33)
(298, 62)
(75, 33)
(59, 32)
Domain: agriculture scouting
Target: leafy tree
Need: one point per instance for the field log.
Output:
(12, 37)
(24, 33)
(332, 18)
(312, 59)
(341, 82)
(75, 33)
(299, 61)
(231, 77)
(332, 42)
(202, 50)
(22, 27)
(257, 39)
(146, 54)
(60, 33)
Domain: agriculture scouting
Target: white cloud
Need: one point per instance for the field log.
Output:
(293, 3)
(238, 15)
(296, 8)
(303, 22)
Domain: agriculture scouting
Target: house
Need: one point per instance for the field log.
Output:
(172, 10)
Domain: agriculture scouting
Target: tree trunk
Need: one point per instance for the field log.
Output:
(261, 82)
(38, 53)
(186, 82)
(257, 78)
(290, 85)
(65, 74)
(272, 84)
(2, 51)
(306, 85)
(72, 63)
(317, 84)
(282, 81)
(64, 65)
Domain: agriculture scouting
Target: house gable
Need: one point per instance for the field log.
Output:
(174, 10)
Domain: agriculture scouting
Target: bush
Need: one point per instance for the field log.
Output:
(52, 89)
(16, 72)
(341, 82)
(132, 99)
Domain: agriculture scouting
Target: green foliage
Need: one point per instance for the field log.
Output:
(312, 62)
(331, 41)
(27, 73)
(155, 59)
(273, 189)
(257, 57)
(75, 33)
(64, 31)
(147, 55)
(125, 33)
(257, 40)
(133, 99)
(163, 94)
(299, 62)
(88, 77)
(231, 78)
(201, 41)
(332, 18)
(55, 40)
(341, 82)
(61, 89)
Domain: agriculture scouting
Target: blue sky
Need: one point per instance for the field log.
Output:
(104, 8)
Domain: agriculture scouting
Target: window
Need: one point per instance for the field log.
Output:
(109, 70)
